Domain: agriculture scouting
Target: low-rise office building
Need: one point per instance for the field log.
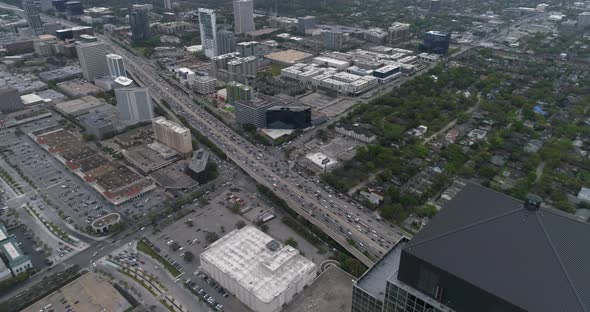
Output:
(149, 157)
(288, 117)
(13, 257)
(202, 84)
(357, 131)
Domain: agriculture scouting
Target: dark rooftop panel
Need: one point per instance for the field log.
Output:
(537, 260)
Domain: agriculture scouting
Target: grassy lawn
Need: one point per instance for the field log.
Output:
(275, 69)
(143, 247)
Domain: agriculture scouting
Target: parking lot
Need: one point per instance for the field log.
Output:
(79, 203)
(25, 239)
(193, 233)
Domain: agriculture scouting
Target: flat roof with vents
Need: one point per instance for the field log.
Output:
(257, 262)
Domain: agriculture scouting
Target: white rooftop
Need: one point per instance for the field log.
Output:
(277, 133)
(170, 125)
(11, 250)
(329, 60)
(584, 194)
(387, 68)
(246, 43)
(245, 257)
(124, 81)
(194, 48)
(32, 98)
(114, 56)
(318, 158)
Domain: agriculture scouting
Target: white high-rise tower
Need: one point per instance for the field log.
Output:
(208, 28)
(116, 66)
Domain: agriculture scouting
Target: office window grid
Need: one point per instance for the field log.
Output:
(363, 302)
(399, 300)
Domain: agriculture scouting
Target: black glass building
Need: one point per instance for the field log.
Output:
(436, 42)
(485, 252)
(288, 117)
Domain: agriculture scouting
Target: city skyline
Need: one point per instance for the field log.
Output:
(294, 156)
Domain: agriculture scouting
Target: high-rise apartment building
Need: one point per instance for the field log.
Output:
(333, 40)
(116, 65)
(173, 135)
(93, 60)
(305, 23)
(231, 67)
(208, 29)
(243, 16)
(10, 100)
(238, 92)
(486, 252)
(134, 104)
(32, 15)
(226, 42)
(398, 33)
(140, 23)
(249, 48)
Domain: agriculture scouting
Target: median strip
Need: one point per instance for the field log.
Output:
(146, 249)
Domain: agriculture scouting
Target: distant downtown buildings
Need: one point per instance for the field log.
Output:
(140, 23)
(93, 60)
(116, 66)
(134, 104)
(243, 16)
(32, 15)
(10, 100)
(207, 27)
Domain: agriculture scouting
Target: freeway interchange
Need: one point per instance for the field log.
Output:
(354, 227)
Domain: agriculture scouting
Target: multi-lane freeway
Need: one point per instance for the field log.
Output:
(354, 227)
